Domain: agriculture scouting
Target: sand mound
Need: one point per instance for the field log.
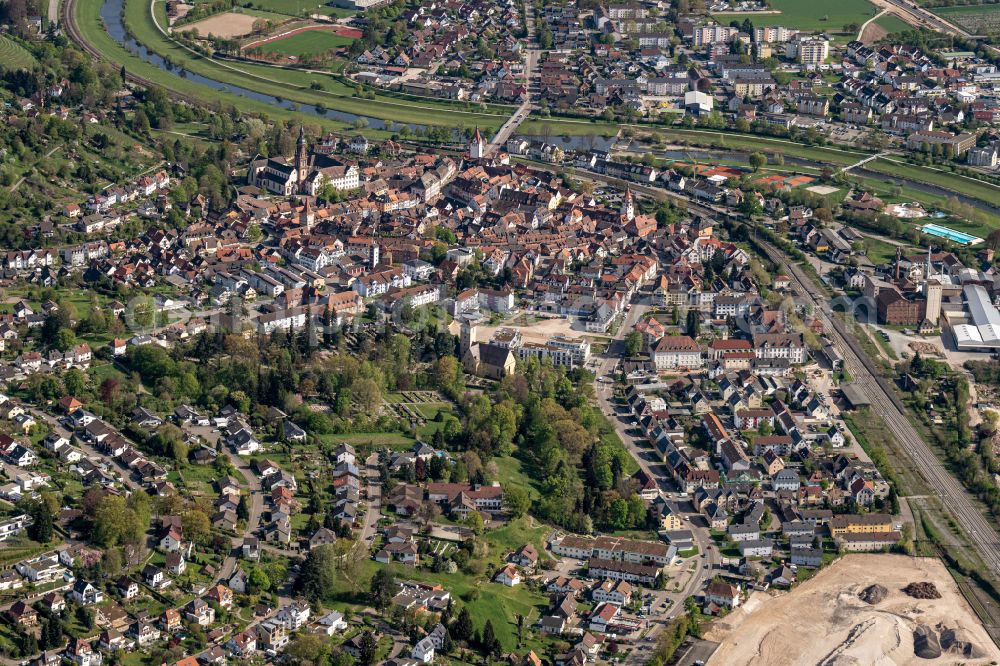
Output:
(925, 642)
(873, 594)
(922, 590)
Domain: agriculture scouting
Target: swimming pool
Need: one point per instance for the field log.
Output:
(951, 234)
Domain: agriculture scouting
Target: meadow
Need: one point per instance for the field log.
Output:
(817, 15)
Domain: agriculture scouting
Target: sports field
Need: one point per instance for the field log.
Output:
(814, 15)
(309, 43)
(13, 55)
(227, 25)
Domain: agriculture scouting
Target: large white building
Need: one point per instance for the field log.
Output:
(676, 351)
(981, 329)
(566, 352)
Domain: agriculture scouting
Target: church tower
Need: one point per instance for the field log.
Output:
(467, 334)
(302, 159)
(477, 147)
(307, 217)
(628, 205)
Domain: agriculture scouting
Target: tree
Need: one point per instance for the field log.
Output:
(633, 344)
(757, 160)
(693, 323)
(464, 628)
(243, 508)
(65, 339)
(368, 648)
(41, 527)
(259, 580)
(489, 642)
(196, 525)
(116, 522)
(383, 588)
(751, 206)
(517, 499)
(318, 573)
(75, 381)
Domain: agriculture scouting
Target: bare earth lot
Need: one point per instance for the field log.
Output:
(824, 622)
(227, 25)
(538, 330)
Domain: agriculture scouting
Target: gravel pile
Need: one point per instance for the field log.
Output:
(922, 590)
(873, 594)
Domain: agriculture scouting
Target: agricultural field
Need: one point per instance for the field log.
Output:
(818, 15)
(13, 55)
(977, 19)
(308, 43)
(291, 7)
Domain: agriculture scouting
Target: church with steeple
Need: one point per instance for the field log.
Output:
(477, 147)
(304, 173)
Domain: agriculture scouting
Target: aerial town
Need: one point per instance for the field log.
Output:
(547, 333)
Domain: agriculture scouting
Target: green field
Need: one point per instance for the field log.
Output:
(892, 23)
(969, 187)
(313, 42)
(339, 12)
(817, 15)
(293, 7)
(266, 15)
(14, 56)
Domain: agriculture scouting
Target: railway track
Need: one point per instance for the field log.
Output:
(978, 528)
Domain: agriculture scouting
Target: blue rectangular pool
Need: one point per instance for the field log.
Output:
(959, 237)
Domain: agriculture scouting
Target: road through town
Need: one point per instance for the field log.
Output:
(638, 447)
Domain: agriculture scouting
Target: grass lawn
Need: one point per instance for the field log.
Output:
(879, 251)
(892, 23)
(338, 12)
(817, 15)
(14, 56)
(430, 410)
(313, 42)
(484, 599)
(260, 13)
(518, 532)
(294, 7)
(513, 472)
(199, 478)
(393, 440)
(970, 187)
